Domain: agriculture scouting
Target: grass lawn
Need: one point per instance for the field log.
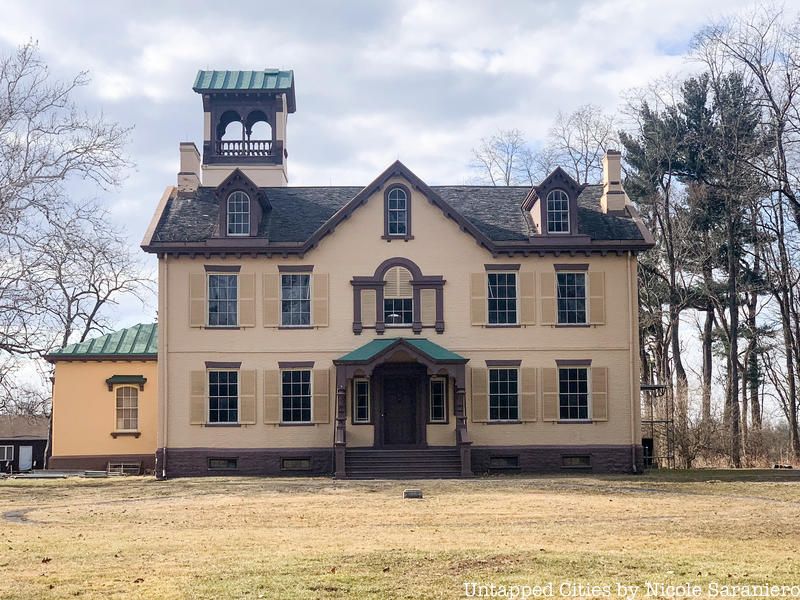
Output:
(318, 538)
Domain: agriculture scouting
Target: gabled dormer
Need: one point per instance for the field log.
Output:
(242, 206)
(553, 205)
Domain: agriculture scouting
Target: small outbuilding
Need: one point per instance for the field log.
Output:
(23, 442)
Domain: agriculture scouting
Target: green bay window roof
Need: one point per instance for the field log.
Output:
(370, 350)
(139, 342)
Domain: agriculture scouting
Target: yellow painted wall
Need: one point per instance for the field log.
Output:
(438, 248)
(84, 410)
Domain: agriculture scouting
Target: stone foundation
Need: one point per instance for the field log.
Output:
(551, 459)
(194, 462)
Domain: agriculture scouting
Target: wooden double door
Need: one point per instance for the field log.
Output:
(401, 401)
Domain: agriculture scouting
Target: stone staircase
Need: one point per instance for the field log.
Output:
(422, 463)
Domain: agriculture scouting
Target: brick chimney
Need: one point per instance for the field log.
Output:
(613, 198)
(189, 174)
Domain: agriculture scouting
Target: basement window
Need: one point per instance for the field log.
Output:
(223, 464)
(503, 463)
(577, 461)
(296, 464)
(123, 468)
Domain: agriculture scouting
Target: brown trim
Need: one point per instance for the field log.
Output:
(502, 267)
(503, 325)
(386, 235)
(134, 434)
(574, 422)
(571, 267)
(222, 424)
(210, 364)
(570, 325)
(295, 268)
(574, 362)
(503, 363)
(222, 268)
(297, 424)
(303, 364)
(290, 327)
(222, 327)
(53, 358)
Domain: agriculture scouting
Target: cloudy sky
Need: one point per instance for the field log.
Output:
(419, 81)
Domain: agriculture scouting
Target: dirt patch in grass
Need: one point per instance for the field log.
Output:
(318, 538)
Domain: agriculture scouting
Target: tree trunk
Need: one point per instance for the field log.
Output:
(733, 351)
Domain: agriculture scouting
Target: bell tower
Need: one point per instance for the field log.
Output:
(244, 124)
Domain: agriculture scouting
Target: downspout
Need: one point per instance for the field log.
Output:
(631, 365)
(163, 323)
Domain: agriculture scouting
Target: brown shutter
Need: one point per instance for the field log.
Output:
(528, 410)
(247, 397)
(368, 311)
(272, 299)
(548, 294)
(322, 395)
(197, 410)
(272, 396)
(319, 286)
(597, 297)
(480, 395)
(599, 394)
(478, 298)
(549, 394)
(247, 300)
(527, 298)
(197, 300)
(427, 299)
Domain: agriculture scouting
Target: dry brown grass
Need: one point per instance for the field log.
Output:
(316, 538)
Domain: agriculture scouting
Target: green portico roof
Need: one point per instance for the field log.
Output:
(370, 350)
(139, 342)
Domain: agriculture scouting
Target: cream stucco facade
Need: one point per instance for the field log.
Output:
(349, 257)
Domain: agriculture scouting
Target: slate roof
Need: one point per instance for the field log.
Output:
(139, 342)
(371, 349)
(298, 212)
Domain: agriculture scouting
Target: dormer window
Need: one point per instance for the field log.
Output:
(557, 212)
(238, 213)
(398, 212)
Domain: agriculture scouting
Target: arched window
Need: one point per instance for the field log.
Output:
(557, 212)
(238, 214)
(127, 408)
(398, 298)
(397, 212)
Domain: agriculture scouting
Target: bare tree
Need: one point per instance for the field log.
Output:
(504, 158)
(579, 139)
(46, 141)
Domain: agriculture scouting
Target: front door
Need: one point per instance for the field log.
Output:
(400, 409)
(25, 458)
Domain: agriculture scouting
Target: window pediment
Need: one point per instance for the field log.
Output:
(231, 195)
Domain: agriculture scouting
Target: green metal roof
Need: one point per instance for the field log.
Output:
(268, 80)
(370, 350)
(139, 342)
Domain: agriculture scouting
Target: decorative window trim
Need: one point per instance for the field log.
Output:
(353, 409)
(586, 308)
(517, 306)
(248, 212)
(138, 380)
(125, 430)
(418, 283)
(386, 235)
(500, 363)
(446, 409)
(489, 394)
